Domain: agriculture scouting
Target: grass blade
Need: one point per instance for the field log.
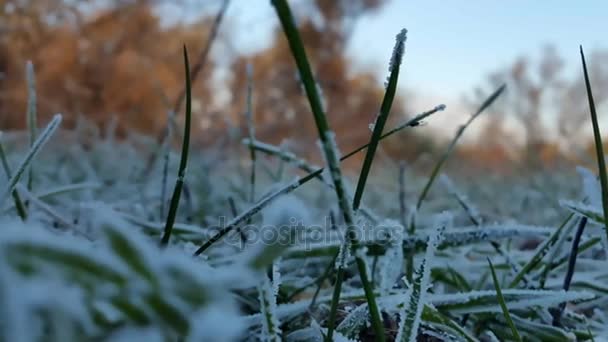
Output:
(329, 150)
(38, 144)
(179, 183)
(503, 305)
(385, 109)
(601, 163)
(412, 227)
(21, 211)
(31, 114)
(487, 103)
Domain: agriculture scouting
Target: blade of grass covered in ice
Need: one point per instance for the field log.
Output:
(329, 150)
(599, 149)
(412, 227)
(21, 211)
(385, 109)
(501, 301)
(235, 222)
(380, 121)
(271, 330)
(413, 308)
(487, 103)
(541, 251)
(30, 77)
(316, 173)
(38, 144)
(262, 203)
(179, 183)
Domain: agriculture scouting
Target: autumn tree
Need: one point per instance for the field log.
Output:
(116, 61)
(543, 99)
(281, 110)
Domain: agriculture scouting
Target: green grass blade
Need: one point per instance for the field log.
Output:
(21, 211)
(179, 183)
(31, 114)
(385, 109)
(38, 144)
(599, 149)
(329, 149)
(503, 305)
(541, 251)
(487, 103)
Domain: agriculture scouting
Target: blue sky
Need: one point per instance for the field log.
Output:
(452, 45)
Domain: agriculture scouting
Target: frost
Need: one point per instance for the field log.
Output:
(398, 50)
(354, 321)
(416, 296)
(591, 186)
(440, 107)
(271, 330)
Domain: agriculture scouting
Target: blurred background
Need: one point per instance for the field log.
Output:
(119, 62)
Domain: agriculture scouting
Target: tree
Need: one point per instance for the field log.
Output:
(543, 99)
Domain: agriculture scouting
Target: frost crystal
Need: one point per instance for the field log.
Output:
(398, 50)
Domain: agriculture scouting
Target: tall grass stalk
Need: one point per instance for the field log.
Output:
(599, 148)
(30, 77)
(38, 144)
(179, 183)
(329, 150)
(378, 127)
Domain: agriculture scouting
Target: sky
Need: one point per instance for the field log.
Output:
(452, 45)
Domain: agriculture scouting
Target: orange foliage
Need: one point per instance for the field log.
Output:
(118, 62)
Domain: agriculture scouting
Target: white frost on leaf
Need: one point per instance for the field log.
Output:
(591, 186)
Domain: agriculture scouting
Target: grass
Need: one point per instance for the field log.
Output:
(503, 306)
(183, 163)
(599, 148)
(90, 235)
